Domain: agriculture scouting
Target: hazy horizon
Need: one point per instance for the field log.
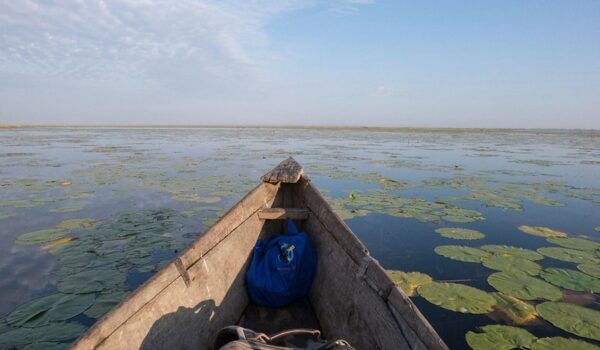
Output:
(339, 63)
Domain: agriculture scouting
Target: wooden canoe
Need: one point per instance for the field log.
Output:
(202, 290)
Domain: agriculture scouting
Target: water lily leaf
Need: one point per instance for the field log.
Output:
(195, 198)
(541, 231)
(457, 297)
(104, 303)
(571, 279)
(55, 245)
(515, 251)
(590, 269)
(67, 209)
(520, 285)
(47, 346)
(506, 262)
(500, 337)
(459, 233)
(597, 228)
(41, 236)
(75, 224)
(53, 332)
(90, 281)
(569, 255)
(554, 343)
(572, 318)
(517, 310)
(575, 243)
(55, 307)
(7, 214)
(461, 253)
(409, 281)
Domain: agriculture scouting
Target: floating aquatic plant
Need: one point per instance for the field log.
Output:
(516, 310)
(555, 343)
(7, 214)
(75, 224)
(541, 231)
(507, 262)
(514, 251)
(104, 303)
(41, 236)
(67, 209)
(457, 297)
(459, 233)
(572, 318)
(571, 279)
(574, 243)
(520, 285)
(409, 281)
(51, 333)
(90, 281)
(461, 253)
(590, 269)
(51, 308)
(500, 337)
(569, 255)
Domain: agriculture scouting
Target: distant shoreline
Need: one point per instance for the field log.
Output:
(298, 127)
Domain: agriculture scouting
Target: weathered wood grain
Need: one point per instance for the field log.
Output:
(288, 171)
(283, 213)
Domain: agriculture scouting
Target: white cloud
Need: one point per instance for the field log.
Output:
(119, 39)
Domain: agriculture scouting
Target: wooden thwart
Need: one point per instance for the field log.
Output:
(283, 213)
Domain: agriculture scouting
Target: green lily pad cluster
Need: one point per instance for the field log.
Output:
(409, 281)
(541, 231)
(579, 320)
(457, 297)
(459, 233)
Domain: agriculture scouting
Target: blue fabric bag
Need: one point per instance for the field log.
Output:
(282, 269)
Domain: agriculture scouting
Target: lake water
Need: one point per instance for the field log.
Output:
(116, 204)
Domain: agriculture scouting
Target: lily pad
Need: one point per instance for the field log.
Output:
(53, 332)
(572, 318)
(541, 231)
(90, 281)
(195, 198)
(520, 285)
(104, 303)
(75, 224)
(571, 279)
(409, 281)
(7, 214)
(457, 297)
(515, 251)
(461, 253)
(459, 233)
(500, 337)
(506, 262)
(41, 236)
(554, 343)
(569, 255)
(47, 346)
(515, 309)
(55, 245)
(590, 269)
(55, 307)
(67, 209)
(597, 228)
(575, 243)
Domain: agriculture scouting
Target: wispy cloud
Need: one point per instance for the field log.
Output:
(108, 39)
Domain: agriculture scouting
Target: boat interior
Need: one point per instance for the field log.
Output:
(203, 290)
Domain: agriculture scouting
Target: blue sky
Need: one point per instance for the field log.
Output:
(336, 62)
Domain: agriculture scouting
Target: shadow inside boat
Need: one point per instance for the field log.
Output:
(174, 330)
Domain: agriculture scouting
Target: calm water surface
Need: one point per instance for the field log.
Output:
(166, 186)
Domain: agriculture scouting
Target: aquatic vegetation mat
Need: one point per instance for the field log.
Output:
(506, 262)
(51, 308)
(52, 333)
(409, 281)
(554, 343)
(521, 285)
(571, 279)
(541, 231)
(459, 233)
(569, 255)
(461, 253)
(457, 297)
(575, 243)
(579, 320)
(517, 252)
(516, 310)
(41, 236)
(500, 337)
